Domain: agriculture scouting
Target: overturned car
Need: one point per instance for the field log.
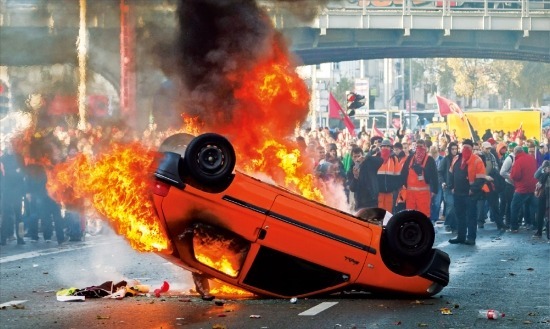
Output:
(267, 240)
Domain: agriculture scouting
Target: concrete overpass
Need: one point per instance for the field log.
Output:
(415, 31)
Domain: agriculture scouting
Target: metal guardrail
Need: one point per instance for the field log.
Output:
(445, 7)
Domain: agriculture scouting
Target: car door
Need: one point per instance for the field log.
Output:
(306, 247)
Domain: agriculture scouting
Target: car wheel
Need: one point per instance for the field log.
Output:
(210, 159)
(410, 233)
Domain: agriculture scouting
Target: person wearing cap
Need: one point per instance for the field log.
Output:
(467, 180)
(388, 176)
(419, 175)
(505, 170)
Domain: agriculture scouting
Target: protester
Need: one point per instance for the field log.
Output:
(438, 197)
(542, 192)
(419, 174)
(508, 193)
(494, 184)
(466, 179)
(362, 179)
(11, 189)
(388, 177)
(523, 176)
(448, 200)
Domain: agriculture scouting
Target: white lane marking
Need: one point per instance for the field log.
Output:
(11, 303)
(51, 251)
(318, 308)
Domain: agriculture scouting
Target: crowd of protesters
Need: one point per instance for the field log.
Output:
(500, 177)
(464, 183)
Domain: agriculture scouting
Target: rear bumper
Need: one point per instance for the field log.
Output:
(438, 268)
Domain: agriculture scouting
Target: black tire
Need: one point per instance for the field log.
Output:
(210, 159)
(409, 233)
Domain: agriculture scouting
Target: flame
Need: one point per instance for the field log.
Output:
(192, 125)
(117, 183)
(270, 101)
(218, 288)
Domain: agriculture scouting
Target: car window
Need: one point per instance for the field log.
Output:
(219, 249)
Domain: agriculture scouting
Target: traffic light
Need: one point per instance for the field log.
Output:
(355, 101)
(4, 100)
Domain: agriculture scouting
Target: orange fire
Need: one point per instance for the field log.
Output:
(218, 288)
(117, 184)
(270, 101)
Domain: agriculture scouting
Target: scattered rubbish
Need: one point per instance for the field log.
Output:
(119, 294)
(219, 302)
(13, 303)
(490, 314)
(103, 317)
(180, 318)
(112, 290)
(221, 315)
(66, 292)
(218, 326)
(255, 316)
(70, 298)
(446, 311)
(141, 288)
(164, 288)
(293, 300)
(422, 324)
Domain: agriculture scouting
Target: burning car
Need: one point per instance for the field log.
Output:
(263, 238)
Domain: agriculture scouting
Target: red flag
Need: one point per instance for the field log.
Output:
(335, 111)
(518, 132)
(447, 107)
(334, 108)
(396, 123)
(375, 131)
(349, 124)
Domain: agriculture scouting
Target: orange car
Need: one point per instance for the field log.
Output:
(265, 239)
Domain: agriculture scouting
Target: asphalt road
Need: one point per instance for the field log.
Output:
(507, 272)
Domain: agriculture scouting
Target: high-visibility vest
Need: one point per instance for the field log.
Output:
(390, 167)
(413, 183)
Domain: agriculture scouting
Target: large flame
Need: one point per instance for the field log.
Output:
(118, 185)
(270, 101)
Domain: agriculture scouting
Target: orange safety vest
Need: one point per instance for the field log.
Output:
(476, 169)
(390, 168)
(413, 183)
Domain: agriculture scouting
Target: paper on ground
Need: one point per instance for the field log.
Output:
(71, 298)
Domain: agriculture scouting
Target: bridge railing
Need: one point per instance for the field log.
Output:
(445, 7)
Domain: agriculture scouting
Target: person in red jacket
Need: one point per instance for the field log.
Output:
(523, 176)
